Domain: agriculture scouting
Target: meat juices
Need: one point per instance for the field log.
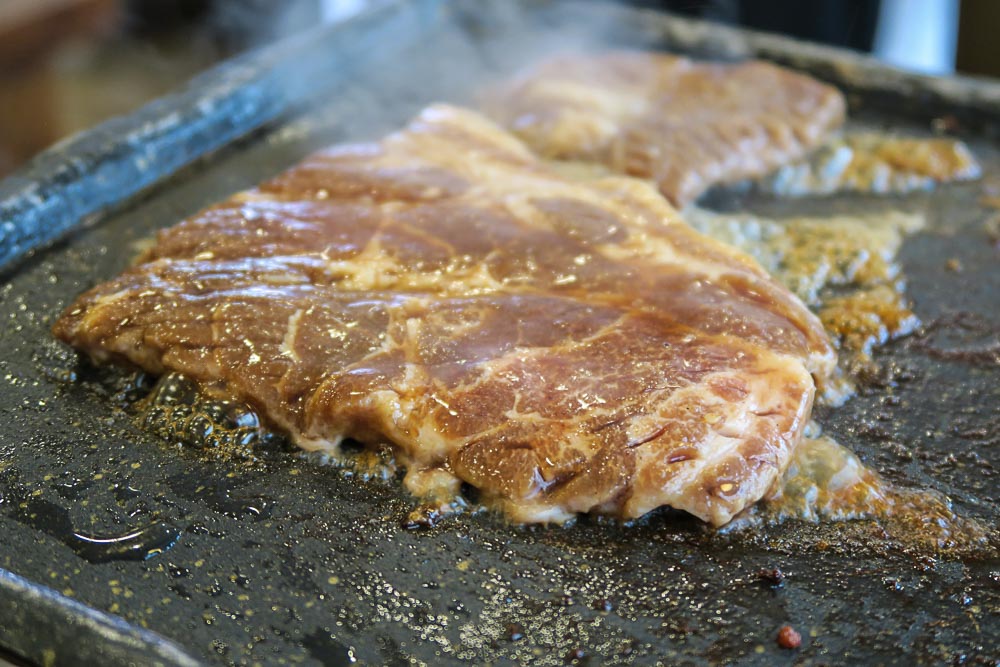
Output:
(682, 124)
(563, 346)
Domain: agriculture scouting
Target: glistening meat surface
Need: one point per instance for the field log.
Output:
(683, 124)
(563, 346)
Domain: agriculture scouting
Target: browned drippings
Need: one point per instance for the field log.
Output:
(876, 163)
(826, 481)
(867, 318)
(364, 462)
(220, 426)
(843, 267)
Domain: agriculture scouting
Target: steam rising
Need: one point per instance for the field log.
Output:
(396, 58)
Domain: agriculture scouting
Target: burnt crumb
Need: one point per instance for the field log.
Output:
(514, 632)
(422, 518)
(604, 605)
(788, 637)
(891, 400)
(873, 431)
(575, 654)
(771, 576)
(176, 571)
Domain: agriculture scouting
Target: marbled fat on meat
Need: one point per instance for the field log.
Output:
(563, 346)
(683, 124)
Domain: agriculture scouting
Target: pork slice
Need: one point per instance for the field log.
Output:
(683, 124)
(563, 346)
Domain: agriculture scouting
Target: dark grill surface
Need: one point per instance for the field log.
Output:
(289, 561)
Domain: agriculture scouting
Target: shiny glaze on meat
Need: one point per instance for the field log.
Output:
(683, 124)
(564, 346)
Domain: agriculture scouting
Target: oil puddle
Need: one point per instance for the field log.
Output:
(132, 544)
(827, 482)
(180, 412)
(140, 544)
(135, 542)
(875, 163)
(222, 496)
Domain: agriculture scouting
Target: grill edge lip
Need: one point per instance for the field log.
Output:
(80, 179)
(34, 617)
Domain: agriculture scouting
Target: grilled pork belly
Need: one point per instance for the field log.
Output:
(564, 346)
(683, 124)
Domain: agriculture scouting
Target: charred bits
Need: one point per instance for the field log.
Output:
(773, 577)
(423, 517)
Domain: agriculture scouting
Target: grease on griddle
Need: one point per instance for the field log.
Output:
(224, 428)
(179, 411)
(131, 542)
(139, 543)
(875, 163)
(827, 481)
(843, 267)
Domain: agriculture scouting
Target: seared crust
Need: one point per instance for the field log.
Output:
(563, 346)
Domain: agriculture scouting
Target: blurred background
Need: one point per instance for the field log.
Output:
(66, 65)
